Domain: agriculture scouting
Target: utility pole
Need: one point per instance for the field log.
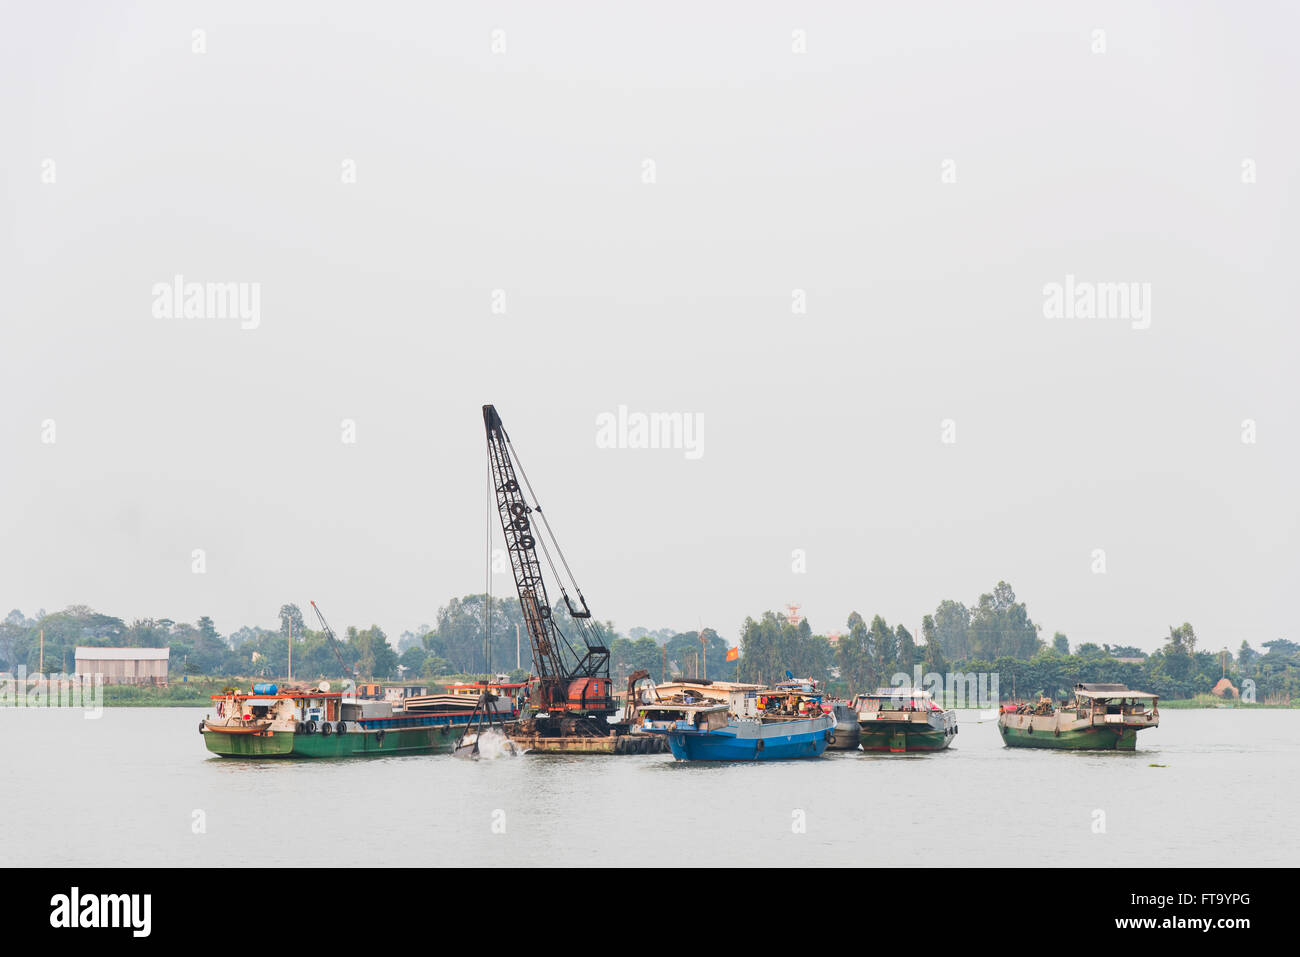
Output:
(705, 649)
(290, 678)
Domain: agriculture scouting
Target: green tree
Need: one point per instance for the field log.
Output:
(375, 657)
(933, 659)
(854, 655)
(952, 630)
(291, 615)
(884, 650)
(907, 652)
(412, 660)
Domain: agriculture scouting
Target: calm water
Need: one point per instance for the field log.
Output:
(124, 789)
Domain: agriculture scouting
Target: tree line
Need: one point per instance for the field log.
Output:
(475, 635)
(995, 635)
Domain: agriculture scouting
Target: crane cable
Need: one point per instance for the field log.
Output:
(583, 627)
(334, 643)
(549, 531)
(510, 457)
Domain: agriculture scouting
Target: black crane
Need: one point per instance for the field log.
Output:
(572, 694)
(335, 646)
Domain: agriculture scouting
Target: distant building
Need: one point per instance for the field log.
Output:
(125, 666)
(402, 692)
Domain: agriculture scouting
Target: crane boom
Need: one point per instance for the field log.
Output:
(334, 644)
(574, 681)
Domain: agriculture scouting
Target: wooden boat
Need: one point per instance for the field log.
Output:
(236, 726)
(319, 723)
(902, 720)
(766, 725)
(1099, 717)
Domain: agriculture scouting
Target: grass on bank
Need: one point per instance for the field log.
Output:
(1213, 701)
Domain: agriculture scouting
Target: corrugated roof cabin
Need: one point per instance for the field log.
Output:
(125, 666)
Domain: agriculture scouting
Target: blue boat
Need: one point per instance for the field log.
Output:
(769, 725)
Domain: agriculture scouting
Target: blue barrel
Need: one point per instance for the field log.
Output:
(265, 689)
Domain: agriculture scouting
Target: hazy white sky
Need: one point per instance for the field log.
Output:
(920, 172)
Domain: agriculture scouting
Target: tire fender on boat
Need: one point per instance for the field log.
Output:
(326, 729)
(202, 725)
(379, 738)
(341, 727)
(830, 738)
(299, 728)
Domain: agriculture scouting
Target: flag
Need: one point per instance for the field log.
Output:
(733, 654)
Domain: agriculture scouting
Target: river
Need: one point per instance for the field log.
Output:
(137, 787)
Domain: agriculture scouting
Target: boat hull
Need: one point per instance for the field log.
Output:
(904, 738)
(1088, 738)
(843, 739)
(750, 741)
(429, 739)
(635, 743)
(844, 736)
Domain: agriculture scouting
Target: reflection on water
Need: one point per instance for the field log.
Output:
(125, 790)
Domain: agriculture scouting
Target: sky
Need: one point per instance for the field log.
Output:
(838, 241)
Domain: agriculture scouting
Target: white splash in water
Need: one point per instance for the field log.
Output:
(492, 744)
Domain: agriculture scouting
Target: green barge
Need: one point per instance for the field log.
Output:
(323, 724)
(1100, 717)
(902, 720)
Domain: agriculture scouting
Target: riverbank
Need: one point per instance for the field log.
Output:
(186, 694)
(196, 692)
(1211, 701)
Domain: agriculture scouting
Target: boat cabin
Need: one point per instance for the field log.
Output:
(680, 716)
(807, 685)
(1114, 701)
(895, 699)
(279, 708)
(699, 688)
(399, 693)
(782, 704)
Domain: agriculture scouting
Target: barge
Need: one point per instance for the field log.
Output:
(767, 725)
(1099, 717)
(303, 723)
(900, 720)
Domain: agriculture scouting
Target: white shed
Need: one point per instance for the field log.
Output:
(124, 666)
